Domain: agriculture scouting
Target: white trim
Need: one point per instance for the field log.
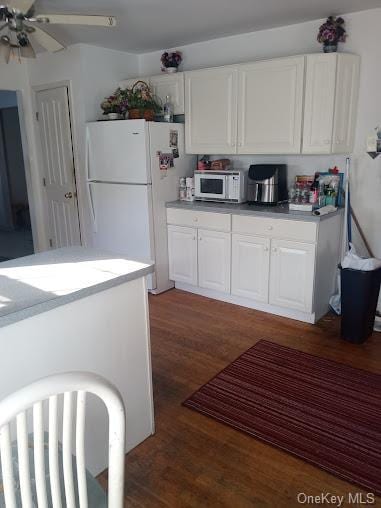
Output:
(251, 304)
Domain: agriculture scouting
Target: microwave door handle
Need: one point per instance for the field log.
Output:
(227, 187)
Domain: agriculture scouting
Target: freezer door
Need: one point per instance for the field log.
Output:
(117, 151)
(122, 217)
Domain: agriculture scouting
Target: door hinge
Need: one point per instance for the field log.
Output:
(37, 116)
(50, 242)
(44, 182)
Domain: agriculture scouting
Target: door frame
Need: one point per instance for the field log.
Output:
(51, 86)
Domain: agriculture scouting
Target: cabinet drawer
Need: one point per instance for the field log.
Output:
(275, 228)
(207, 220)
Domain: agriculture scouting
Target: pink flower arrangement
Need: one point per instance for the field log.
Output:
(171, 59)
(332, 31)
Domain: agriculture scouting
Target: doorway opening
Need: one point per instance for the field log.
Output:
(15, 225)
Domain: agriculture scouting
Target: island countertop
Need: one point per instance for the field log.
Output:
(275, 211)
(38, 283)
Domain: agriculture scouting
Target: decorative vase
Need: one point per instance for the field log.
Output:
(113, 116)
(330, 47)
(171, 70)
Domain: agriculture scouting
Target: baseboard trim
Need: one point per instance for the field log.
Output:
(251, 304)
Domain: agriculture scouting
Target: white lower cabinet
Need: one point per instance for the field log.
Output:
(214, 260)
(292, 274)
(282, 266)
(250, 267)
(182, 253)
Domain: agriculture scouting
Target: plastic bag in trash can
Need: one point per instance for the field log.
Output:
(354, 261)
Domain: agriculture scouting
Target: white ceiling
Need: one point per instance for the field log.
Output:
(147, 25)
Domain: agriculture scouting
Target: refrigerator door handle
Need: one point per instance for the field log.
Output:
(92, 207)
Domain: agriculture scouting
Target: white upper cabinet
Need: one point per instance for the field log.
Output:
(347, 86)
(270, 106)
(211, 110)
(319, 103)
(172, 85)
(331, 93)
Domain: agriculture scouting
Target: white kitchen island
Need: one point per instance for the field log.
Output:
(77, 309)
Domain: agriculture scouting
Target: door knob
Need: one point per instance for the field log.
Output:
(68, 195)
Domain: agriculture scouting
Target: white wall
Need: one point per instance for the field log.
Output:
(93, 73)
(365, 40)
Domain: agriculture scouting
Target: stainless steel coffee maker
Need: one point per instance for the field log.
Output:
(267, 184)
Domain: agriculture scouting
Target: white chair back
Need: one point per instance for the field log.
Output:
(73, 386)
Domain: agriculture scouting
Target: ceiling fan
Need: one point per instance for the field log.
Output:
(23, 26)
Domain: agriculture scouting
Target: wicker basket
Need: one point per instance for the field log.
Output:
(147, 114)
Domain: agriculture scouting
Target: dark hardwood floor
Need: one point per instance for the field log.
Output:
(193, 461)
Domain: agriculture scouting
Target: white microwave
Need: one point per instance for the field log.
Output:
(229, 186)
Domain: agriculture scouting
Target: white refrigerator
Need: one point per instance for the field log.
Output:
(129, 185)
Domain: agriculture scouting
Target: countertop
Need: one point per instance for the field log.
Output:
(278, 211)
(38, 283)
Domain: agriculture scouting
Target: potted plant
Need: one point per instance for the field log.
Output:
(331, 33)
(171, 61)
(115, 106)
(141, 101)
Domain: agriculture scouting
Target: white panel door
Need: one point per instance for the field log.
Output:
(118, 151)
(211, 110)
(319, 103)
(348, 67)
(270, 106)
(58, 160)
(172, 85)
(182, 253)
(214, 254)
(250, 267)
(292, 269)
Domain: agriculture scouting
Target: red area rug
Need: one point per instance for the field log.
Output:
(324, 412)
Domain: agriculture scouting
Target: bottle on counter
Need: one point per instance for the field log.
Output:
(183, 189)
(168, 110)
(189, 182)
(314, 190)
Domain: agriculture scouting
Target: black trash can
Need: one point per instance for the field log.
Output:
(359, 297)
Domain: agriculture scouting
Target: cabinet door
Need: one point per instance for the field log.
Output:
(319, 103)
(270, 106)
(211, 111)
(292, 268)
(182, 254)
(250, 267)
(347, 86)
(172, 85)
(214, 249)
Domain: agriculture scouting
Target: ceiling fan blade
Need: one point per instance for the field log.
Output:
(76, 19)
(46, 40)
(20, 5)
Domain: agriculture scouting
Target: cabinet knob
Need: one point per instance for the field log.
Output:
(240, 143)
(195, 219)
(275, 249)
(270, 228)
(266, 249)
